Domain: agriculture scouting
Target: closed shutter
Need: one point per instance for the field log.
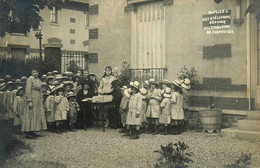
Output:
(150, 36)
(18, 53)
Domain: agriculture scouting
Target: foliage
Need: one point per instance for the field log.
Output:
(242, 162)
(190, 73)
(20, 16)
(125, 73)
(73, 67)
(174, 156)
(17, 68)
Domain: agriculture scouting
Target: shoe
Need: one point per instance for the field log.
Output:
(127, 133)
(134, 135)
(173, 130)
(157, 130)
(123, 130)
(30, 137)
(164, 131)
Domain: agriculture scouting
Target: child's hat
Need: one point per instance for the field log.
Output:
(2, 80)
(9, 83)
(71, 94)
(44, 84)
(68, 73)
(136, 84)
(18, 81)
(143, 93)
(2, 84)
(68, 83)
(60, 87)
(91, 74)
(55, 83)
(127, 93)
(78, 75)
(44, 76)
(131, 83)
(55, 72)
(165, 81)
(152, 81)
(49, 74)
(177, 82)
(146, 82)
(23, 78)
(186, 84)
(19, 89)
(7, 77)
(50, 78)
(167, 92)
(124, 87)
(59, 76)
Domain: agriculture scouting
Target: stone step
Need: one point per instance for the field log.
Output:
(253, 136)
(253, 115)
(251, 125)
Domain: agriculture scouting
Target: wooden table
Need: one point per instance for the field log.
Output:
(100, 106)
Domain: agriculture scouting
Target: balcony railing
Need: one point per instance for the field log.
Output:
(148, 73)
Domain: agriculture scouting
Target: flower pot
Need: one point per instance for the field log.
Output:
(210, 120)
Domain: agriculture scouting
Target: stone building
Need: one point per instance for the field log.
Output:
(64, 41)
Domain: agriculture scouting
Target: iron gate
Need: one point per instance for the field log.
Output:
(73, 60)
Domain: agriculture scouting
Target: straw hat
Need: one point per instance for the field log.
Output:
(44, 76)
(18, 81)
(78, 75)
(23, 78)
(146, 82)
(143, 93)
(165, 81)
(177, 82)
(19, 89)
(136, 84)
(127, 93)
(60, 87)
(55, 83)
(59, 76)
(167, 92)
(68, 83)
(7, 77)
(49, 74)
(45, 84)
(50, 77)
(2, 80)
(68, 73)
(131, 83)
(124, 87)
(152, 81)
(186, 84)
(55, 72)
(9, 83)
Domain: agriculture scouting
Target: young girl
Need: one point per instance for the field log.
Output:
(165, 83)
(19, 106)
(45, 91)
(165, 117)
(73, 110)
(124, 108)
(68, 86)
(134, 114)
(105, 87)
(185, 89)
(62, 108)
(8, 99)
(153, 110)
(50, 107)
(49, 81)
(177, 113)
(143, 93)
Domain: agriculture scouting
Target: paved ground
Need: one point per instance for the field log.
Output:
(94, 149)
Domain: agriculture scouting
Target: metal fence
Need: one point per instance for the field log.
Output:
(148, 73)
(73, 60)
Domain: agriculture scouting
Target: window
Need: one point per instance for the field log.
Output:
(148, 38)
(54, 13)
(72, 20)
(86, 19)
(18, 53)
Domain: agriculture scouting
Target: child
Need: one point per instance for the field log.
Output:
(8, 98)
(70, 77)
(165, 83)
(50, 107)
(49, 81)
(19, 107)
(45, 90)
(68, 86)
(73, 110)
(62, 108)
(43, 78)
(143, 93)
(23, 79)
(185, 89)
(134, 114)
(153, 110)
(177, 113)
(123, 109)
(165, 117)
(59, 78)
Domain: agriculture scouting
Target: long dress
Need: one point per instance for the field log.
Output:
(8, 99)
(153, 108)
(177, 112)
(135, 107)
(19, 108)
(165, 117)
(50, 108)
(33, 118)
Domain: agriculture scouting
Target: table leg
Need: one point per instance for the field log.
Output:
(84, 111)
(103, 117)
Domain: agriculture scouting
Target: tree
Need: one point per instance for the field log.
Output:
(22, 15)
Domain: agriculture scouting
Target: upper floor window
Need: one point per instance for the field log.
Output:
(54, 13)
(86, 19)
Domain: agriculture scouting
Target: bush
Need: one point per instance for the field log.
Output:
(174, 156)
(125, 73)
(190, 73)
(242, 162)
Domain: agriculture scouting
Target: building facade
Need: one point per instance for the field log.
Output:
(64, 41)
(159, 37)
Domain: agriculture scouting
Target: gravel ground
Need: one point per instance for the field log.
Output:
(96, 149)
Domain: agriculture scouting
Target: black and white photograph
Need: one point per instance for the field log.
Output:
(129, 83)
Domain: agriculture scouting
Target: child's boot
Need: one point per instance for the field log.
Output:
(173, 130)
(58, 129)
(164, 131)
(123, 130)
(127, 133)
(157, 130)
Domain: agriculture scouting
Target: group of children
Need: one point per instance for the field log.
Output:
(58, 96)
(153, 109)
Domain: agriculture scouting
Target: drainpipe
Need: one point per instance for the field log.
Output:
(248, 57)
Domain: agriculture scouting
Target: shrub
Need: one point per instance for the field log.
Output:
(242, 162)
(190, 73)
(174, 156)
(125, 73)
